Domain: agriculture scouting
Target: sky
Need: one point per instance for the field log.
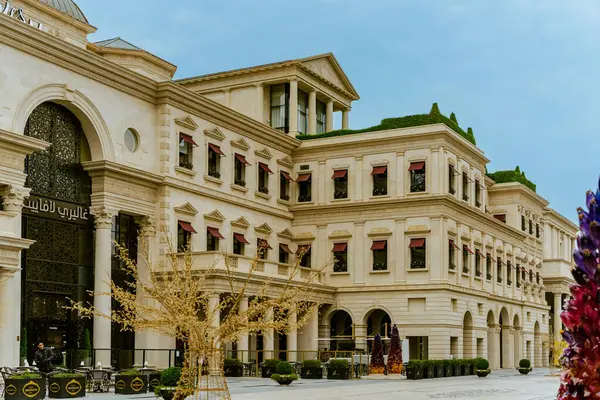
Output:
(524, 74)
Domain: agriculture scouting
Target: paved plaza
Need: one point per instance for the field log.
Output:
(500, 385)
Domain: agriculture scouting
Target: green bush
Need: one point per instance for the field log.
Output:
(338, 364)
(232, 362)
(524, 363)
(512, 176)
(170, 376)
(415, 364)
(446, 363)
(25, 375)
(271, 362)
(23, 343)
(427, 364)
(284, 368)
(67, 375)
(482, 363)
(132, 371)
(284, 379)
(453, 118)
(312, 364)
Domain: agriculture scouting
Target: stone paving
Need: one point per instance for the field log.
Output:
(506, 384)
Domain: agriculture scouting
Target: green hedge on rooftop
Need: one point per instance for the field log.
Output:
(512, 176)
(434, 117)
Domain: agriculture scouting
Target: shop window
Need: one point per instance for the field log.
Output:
(212, 239)
(186, 145)
(379, 249)
(340, 255)
(380, 181)
(417, 253)
(263, 177)
(417, 177)
(184, 235)
(340, 183)
(239, 169)
(214, 160)
(304, 188)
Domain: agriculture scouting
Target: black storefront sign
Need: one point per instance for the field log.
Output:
(57, 210)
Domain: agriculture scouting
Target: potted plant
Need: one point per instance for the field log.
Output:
(311, 369)
(524, 367)
(414, 369)
(428, 369)
(456, 365)
(232, 367)
(285, 374)
(465, 366)
(483, 368)
(66, 385)
(154, 380)
(269, 367)
(448, 369)
(169, 379)
(338, 369)
(131, 381)
(438, 367)
(25, 386)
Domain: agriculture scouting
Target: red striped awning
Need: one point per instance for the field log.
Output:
(216, 149)
(416, 166)
(454, 245)
(285, 248)
(468, 249)
(303, 249)
(186, 226)
(215, 232)
(379, 245)
(414, 243)
(241, 238)
(479, 253)
(379, 170)
(303, 178)
(287, 176)
(340, 173)
(187, 139)
(338, 247)
(265, 168)
(241, 159)
(492, 257)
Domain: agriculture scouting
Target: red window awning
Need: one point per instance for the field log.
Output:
(241, 238)
(285, 248)
(186, 226)
(303, 249)
(287, 176)
(339, 247)
(416, 243)
(216, 149)
(379, 245)
(479, 253)
(340, 173)
(416, 166)
(187, 139)
(379, 170)
(492, 258)
(454, 245)
(265, 168)
(303, 178)
(468, 249)
(264, 244)
(215, 232)
(241, 159)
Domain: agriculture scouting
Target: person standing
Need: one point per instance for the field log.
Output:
(43, 358)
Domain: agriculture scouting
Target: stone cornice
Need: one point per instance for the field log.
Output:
(151, 58)
(122, 171)
(86, 27)
(550, 214)
(21, 143)
(519, 188)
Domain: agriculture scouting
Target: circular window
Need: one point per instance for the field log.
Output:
(131, 140)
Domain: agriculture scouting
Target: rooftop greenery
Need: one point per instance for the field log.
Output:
(434, 117)
(512, 176)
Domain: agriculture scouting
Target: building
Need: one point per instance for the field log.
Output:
(99, 143)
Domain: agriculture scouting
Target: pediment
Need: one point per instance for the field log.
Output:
(264, 153)
(264, 228)
(215, 215)
(241, 222)
(418, 229)
(240, 144)
(286, 162)
(327, 67)
(304, 237)
(340, 234)
(286, 233)
(187, 209)
(215, 133)
(187, 122)
(380, 232)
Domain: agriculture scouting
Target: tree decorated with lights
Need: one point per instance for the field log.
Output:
(394, 361)
(377, 362)
(581, 359)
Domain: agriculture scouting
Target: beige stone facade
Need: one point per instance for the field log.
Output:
(423, 238)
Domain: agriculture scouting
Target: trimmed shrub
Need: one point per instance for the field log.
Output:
(312, 364)
(271, 363)
(25, 375)
(284, 368)
(512, 176)
(132, 371)
(482, 363)
(232, 362)
(435, 110)
(524, 363)
(414, 364)
(453, 118)
(67, 375)
(335, 363)
(170, 376)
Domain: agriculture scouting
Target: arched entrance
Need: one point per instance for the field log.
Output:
(59, 266)
(492, 341)
(505, 333)
(378, 322)
(468, 337)
(537, 345)
(342, 331)
(517, 342)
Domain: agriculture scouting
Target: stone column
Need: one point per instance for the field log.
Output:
(312, 112)
(312, 328)
(293, 107)
(260, 100)
(509, 351)
(9, 320)
(292, 338)
(494, 346)
(345, 117)
(102, 278)
(243, 344)
(556, 318)
(268, 337)
(329, 116)
(358, 187)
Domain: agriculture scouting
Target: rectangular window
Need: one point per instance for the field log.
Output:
(499, 268)
(212, 239)
(262, 248)
(238, 243)
(214, 160)
(466, 253)
(417, 177)
(321, 117)
(340, 183)
(304, 251)
(531, 276)
(379, 249)
(280, 100)
(518, 275)
(184, 235)
(523, 223)
(302, 112)
(379, 180)
(284, 253)
(452, 247)
(537, 278)
(417, 253)
(304, 188)
(530, 227)
(478, 257)
(451, 180)
(186, 145)
(508, 273)
(340, 256)
(465, 186)
(537, 231)
(477, 194)
(488, 267)
(500, 217)
(240, 170)
(263, 177)
(284, 185)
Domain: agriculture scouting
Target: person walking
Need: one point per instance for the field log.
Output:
(43, 358)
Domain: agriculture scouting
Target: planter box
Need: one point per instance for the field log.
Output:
(233, 371)
(524, 371)
(338, 373)
(458, 370)
(311, 373)
(449, 371)
(131, 384)
(482, 373)
(439, 372)
(268, 371)
(25, 389)
(66, 388)
(167, 393)
(153, 381)
(414, 373)
(429, 373)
